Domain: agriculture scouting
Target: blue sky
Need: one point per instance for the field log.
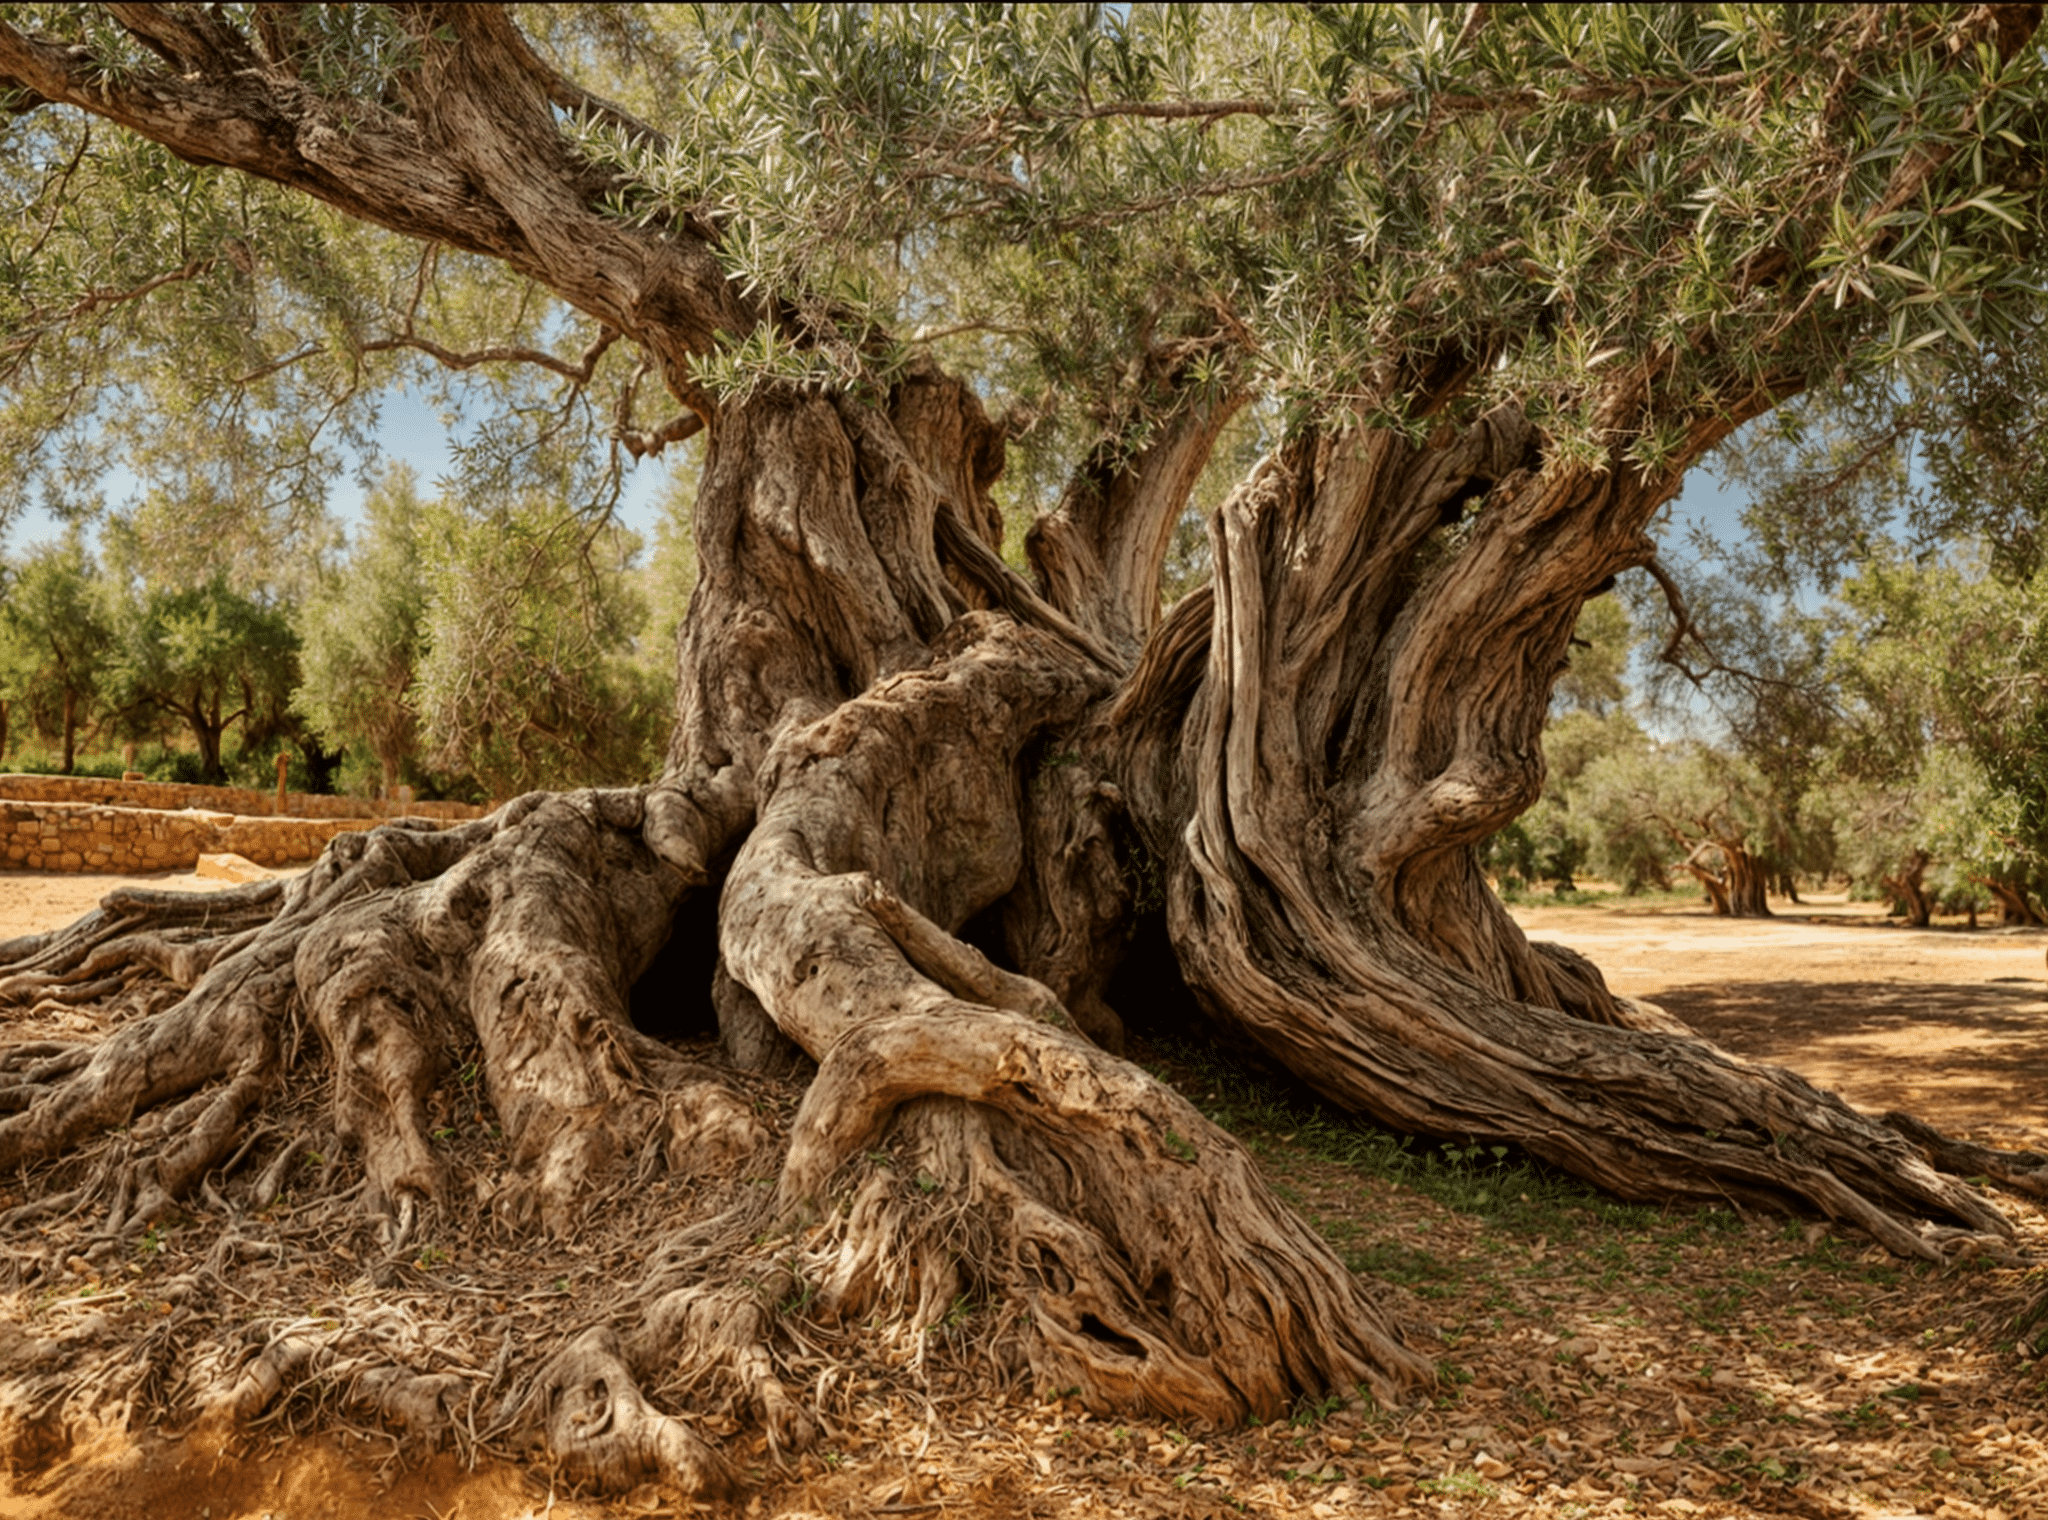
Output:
(413, 432)
(1707, 503)
(410, 431)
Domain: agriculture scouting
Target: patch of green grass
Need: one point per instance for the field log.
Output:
(1395, 1261)
(1510, 1189)
(1739, 1459)
(1309, 1411)
(1845, 1259)
(1717, 1306)
(1467, 1484)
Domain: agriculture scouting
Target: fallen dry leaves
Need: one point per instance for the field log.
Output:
(1597, 1361)
(1691, 1365)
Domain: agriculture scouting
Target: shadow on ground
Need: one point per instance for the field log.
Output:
(1967, 1057)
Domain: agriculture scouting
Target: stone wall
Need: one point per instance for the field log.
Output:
(79, 836)
(84, 823)
(241, 801)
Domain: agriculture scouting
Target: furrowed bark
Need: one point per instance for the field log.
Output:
(1099, 553)
(1737, 889)
(1351, 740)
(1158, 1270)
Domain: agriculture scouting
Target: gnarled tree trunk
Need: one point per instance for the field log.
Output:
(1737, 890)
(2015, 901)
(884, 733)
(1907, 888)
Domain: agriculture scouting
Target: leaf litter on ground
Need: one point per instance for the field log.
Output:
(1595, 1357)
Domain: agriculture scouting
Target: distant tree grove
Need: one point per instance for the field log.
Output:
(1893, 736)
(460, 652)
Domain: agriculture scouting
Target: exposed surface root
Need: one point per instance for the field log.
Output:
(1645, 1114)
(2021, 1171)
(375, 1093)
(1157, 1270)
(176, 935)
(418, 1046)
(303, 1145)
(1324, 898)
(1185, 1290)
(587, 1408)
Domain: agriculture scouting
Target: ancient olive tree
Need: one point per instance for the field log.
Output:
(54, 641)
(1503, 275)
(1712, 807)
(207, 657)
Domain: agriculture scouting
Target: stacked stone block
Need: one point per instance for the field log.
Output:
(240, 801)
(55, 833)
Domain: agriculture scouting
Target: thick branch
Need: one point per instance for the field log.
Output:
(186, 36)
(573, 97)
(369, 164)
(1099, 554)
(479, 164)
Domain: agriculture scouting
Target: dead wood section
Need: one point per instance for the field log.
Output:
(883, 733)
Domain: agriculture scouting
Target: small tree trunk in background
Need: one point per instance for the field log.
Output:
(1715, 889)
(1907, 889)
(2015, 902)
(1737, 889)
(1747, 881)
(210, 730)
(70, 728)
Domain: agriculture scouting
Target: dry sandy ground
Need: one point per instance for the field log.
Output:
(1680, 1366)
(32, 901)
(1949, 1024)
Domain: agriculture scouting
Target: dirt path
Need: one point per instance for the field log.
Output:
(1949, 1024)
(33, 901)
(1601, 1360)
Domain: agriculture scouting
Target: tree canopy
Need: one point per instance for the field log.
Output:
(1622, 219)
